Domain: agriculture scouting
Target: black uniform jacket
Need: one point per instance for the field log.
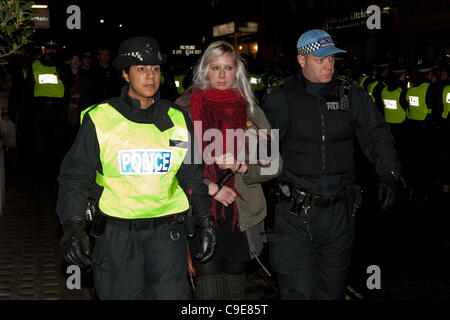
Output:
(370, 128)
(79, 166)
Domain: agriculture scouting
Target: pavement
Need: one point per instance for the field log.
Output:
(407, 244)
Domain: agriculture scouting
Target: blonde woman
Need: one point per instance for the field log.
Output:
(222, 99)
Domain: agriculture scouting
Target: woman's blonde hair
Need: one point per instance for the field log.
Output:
(215, 49)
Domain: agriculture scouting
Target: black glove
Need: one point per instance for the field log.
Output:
(207, 236)
(387, 190)
(74, 245)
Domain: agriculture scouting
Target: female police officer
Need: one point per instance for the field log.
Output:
(134, 147)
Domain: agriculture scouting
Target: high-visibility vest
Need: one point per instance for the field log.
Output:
(256, 81)
(179, 83)
(370, 88)
(46, 81)
(393, 110)
(272, 80)
(417, 105)
(139, 164)
(446, 101)
(362, 78)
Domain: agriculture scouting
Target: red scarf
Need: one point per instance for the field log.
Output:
(219, 109)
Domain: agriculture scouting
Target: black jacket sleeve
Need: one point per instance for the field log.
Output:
(77, 172)
(190, 174)
(373, 133)
(276, 109)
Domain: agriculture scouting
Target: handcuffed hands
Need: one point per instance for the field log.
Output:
(227, 161)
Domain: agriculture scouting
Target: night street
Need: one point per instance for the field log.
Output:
(329, 97)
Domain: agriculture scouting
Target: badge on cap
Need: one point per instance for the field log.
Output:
(148, 49)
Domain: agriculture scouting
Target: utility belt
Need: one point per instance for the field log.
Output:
(141, 224)
(99, 220)
(303, 199)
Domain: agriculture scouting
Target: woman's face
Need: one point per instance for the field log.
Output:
(222, 72)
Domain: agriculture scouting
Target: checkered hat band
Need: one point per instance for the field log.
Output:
(133, 54)
(319, 44)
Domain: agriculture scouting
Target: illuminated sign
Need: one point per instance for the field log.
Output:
(223, 29)
(232, 27)
(42, 18)
(248, 27)
(187, 50)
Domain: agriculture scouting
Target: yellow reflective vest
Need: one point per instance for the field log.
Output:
(446, 101)
(393, 110)
(417, 105)
(46, 81)
(139, 165)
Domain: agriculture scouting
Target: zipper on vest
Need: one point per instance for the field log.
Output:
(322, 125)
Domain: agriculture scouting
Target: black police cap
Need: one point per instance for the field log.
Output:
(138, 51)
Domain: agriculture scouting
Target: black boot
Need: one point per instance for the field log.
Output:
(234, 286)
(209, 287)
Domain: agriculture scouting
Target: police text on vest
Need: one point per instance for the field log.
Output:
(144, 161)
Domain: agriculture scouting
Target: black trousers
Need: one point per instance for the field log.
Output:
(144, 264)
(48, 125)
(312, 254)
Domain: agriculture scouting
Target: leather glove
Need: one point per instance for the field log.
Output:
(387, 190)
(74, 245)
(207, 236)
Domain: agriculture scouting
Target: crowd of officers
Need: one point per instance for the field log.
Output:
(416, 103)
(48, 93)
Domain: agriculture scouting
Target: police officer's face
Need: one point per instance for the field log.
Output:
(143, 82)
(222, 72)
(317, 69)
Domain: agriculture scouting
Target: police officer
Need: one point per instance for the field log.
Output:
(318, 116)
(45, 85)
(375, 88)
(393, 96)
(132, 149)
(424, 113)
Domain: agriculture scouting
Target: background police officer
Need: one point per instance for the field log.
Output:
(313, 232)
(133, 146)
(424, 134)
(46, 90)
(393, 97)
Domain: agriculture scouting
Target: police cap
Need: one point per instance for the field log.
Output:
(138, 51)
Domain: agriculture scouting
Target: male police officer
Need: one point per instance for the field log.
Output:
(318, 116)
(133, 146)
